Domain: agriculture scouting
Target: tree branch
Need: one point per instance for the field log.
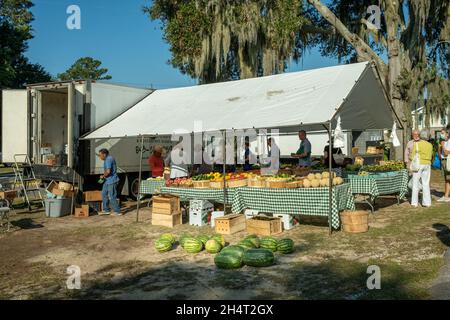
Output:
(363, 50)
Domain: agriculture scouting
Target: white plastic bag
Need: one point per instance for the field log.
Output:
(415, 163)
(339, 138)
(395, 141)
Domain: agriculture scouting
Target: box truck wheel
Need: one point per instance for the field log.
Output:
(133, 187)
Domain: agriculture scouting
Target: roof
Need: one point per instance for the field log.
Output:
(289, 101)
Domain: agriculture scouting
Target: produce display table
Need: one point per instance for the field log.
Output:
(149, 187)
(378, 184)
(302, 201)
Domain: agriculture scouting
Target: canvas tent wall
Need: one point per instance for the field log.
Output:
(286, 102)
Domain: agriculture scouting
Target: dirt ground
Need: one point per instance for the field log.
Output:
(118, 261)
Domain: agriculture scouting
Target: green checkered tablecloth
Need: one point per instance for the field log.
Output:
(380, 184)
(303, 201)
(151, 186)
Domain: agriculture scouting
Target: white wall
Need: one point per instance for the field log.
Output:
(14, 124)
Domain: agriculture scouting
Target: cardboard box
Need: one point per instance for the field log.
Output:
(230, 223)
(198, 205)
(82, 211)
(264, 226)
(287, 220)
(90, 196)
(9, 195)
(166, 204)
(166, 220)
(63, 193)
(198, 218)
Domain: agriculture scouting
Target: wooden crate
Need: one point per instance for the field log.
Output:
(201, 184)
(264, 226)
(166, 204)
(90, 196)
(230, 223)
(82, 211)
(166, 220)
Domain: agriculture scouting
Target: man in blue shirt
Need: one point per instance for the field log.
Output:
(304, 152)
(109, 191)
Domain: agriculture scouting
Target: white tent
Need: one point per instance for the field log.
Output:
(306, 99)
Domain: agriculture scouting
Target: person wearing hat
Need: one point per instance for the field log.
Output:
(111, 180)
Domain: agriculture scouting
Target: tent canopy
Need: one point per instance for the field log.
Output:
(288, 102)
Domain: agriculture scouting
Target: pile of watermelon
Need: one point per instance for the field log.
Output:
(251, 251)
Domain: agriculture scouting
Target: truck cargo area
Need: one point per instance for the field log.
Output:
(53, 124)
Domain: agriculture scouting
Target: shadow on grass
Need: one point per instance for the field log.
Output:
(442, 233)
(26, 223)
(179, 279)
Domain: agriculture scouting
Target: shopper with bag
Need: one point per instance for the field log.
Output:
(420, 157)
(445, 160)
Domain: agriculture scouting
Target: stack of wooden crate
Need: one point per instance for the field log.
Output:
(166, 211)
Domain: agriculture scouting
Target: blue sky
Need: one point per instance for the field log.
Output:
(119, 34)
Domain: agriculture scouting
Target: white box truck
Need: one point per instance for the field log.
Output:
(46, 120)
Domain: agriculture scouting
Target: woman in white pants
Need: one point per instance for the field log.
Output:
(424, 150)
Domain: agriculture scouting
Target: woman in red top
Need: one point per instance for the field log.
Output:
(156, 162)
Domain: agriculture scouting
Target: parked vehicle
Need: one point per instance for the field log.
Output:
(46, 120)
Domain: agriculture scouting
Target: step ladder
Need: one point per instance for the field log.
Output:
(24, 175)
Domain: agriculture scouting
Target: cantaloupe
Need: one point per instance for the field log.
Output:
(315, 183)
(311, 177)
(339, 180)
(318, 176)
(325, 174)
(325, 182)
(306, 183)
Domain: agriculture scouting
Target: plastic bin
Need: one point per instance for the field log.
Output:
(55, 208)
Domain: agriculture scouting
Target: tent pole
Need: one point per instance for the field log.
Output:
(140, 178)
(224, 169)
(330, 187)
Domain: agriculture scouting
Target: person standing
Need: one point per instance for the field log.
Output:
(177, 163)
(304, 151)
(445, 156)
(111, 180)
(271, 164)
(422, 176)
(156, 162)
(248, 157)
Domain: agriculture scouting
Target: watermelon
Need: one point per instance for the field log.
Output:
(246, 244)
(234, 249)
(212, 246)
(255, 240)
(219, 238)
(183, 238)
(258, 258)
(163, 245)
(203, 238)
(168, 236)
(192, 245)
(228, 260)
(269, 243)
(285, 246)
